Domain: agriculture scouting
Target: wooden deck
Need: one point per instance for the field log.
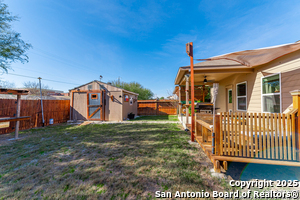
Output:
(250, 138)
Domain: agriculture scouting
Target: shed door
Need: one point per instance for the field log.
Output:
(95, 108)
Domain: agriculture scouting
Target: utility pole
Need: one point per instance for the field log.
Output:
(189, 51)
(41, 101)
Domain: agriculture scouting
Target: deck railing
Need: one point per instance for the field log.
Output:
(260, 135)
(251, 135)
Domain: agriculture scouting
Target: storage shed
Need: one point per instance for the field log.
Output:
(102, 101)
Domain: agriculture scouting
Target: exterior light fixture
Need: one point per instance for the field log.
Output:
(205, 80)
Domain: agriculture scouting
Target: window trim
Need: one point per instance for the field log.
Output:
(237, 102)
(273, 94)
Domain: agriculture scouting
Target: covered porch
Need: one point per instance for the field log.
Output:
(205, 75)
(247, 128)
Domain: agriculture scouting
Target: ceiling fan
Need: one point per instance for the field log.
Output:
(207, 81)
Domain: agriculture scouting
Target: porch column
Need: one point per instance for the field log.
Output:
(187, 76)
(296, 104)
(179, 105)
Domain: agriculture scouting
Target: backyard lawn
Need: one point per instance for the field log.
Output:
(108, 161)
(157, 118)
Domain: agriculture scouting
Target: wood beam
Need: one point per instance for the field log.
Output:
(257, 161)
(13, 119)
(14, 92)
(94, 112)
(223, 71)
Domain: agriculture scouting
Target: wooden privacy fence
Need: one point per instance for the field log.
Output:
(262, 135)
(157, 107)
(58, 110)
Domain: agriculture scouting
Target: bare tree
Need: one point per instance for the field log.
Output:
(34, 88)
(7, 84)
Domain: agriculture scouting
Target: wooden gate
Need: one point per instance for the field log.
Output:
(95, 105)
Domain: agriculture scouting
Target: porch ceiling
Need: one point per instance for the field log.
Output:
(211, 77)
(215, 70)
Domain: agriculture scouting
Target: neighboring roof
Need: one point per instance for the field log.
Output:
(13, 91)
(239, 61)
(48, 90)
(106, 84)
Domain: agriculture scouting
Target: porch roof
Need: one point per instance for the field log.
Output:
(219, 67)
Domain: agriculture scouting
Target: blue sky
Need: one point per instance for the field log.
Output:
(76, 41)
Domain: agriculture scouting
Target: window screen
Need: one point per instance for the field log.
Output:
(271, 94)
(229, 96)
(241, 96)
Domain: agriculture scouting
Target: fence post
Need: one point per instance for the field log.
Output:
(18, 115)
(296, 104)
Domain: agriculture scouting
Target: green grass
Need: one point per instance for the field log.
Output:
(108, 161)
(157, 118)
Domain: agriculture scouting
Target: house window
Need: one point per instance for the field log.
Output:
(271, 94)
(241, 95)
(90, 87)
(230, 96)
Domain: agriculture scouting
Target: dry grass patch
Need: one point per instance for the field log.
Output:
(108, 161)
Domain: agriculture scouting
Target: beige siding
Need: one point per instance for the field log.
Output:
(113, 109)
(127, 108)
(288, 66)
(80, 106)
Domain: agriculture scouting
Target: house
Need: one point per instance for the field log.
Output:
(257, 106)
(102, 101)
(249, 81)
(54, 92)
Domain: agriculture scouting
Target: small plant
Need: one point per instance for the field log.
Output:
(66, 188)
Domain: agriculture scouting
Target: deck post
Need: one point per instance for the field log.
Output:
(217, 167)
(296, 104)
(18, 115)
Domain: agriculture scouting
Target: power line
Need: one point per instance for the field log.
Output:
(43, 79)
(38, 72)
